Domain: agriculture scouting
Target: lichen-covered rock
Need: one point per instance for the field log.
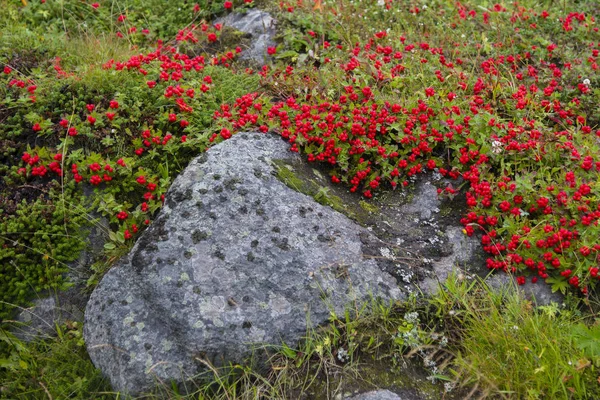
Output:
(417, 236)
(235, 258)
(260, 25)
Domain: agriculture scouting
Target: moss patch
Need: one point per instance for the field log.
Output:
(286, 173)
(368, 206)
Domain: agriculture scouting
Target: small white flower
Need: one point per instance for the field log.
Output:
(496, 147)
(586, 82)
(381, 3)
(449, 386)
(343, 355)
(411, 317)
(429, 362)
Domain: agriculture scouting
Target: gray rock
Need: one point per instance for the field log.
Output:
(540, 293)
(260, 25)
(419, 236)
(234, 259)
(381, 395)
(39, 320)
(466, 251)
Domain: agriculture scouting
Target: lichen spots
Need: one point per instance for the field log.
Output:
(198, 236)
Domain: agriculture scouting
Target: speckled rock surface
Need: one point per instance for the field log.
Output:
(259, 25)
(235, 258)
(420, 238)
(383, 395)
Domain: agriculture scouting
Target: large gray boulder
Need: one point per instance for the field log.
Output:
(235, 259)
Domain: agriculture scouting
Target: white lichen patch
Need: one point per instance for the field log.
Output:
(149, 363)
(434, 240)
(166, 345)
(198, 325)
(386, 253)
(406, 276)
(279, 305)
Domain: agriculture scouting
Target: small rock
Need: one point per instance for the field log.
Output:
(540, 293)
(384, 395)
(260, 25)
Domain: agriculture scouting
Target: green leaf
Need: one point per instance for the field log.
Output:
(588, 339)
(288, 54)
(289, 353)
(8, 364)
(32, 117)
(109, 246)
(558, 284)
(108, 141)
(112, 236)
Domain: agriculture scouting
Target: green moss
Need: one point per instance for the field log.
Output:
(231, 37)
(286, 174)
(372, 208)
(379, 374)
(446, 211)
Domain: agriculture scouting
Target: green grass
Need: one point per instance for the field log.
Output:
(503, 346)
(49, 369)
(480, 343)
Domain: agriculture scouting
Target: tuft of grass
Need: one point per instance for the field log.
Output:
(505, 347)
(49, 369)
